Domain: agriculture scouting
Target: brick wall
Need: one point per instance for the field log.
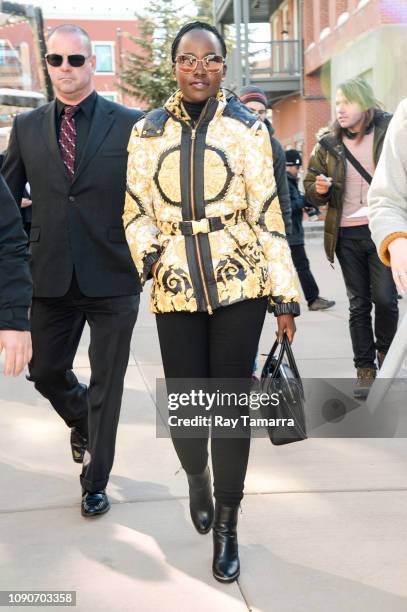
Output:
(323, 14)
(360, 21)
(308, 8)
(298, 120)
(341, 7)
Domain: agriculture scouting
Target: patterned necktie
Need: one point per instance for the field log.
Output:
(67, 139)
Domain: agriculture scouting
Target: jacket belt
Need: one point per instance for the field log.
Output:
(201, 226)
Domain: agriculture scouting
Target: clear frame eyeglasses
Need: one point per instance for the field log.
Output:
(210, 63)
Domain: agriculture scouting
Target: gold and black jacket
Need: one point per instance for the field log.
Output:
(201, 201)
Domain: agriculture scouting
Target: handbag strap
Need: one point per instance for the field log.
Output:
(357, 165)
(284, 350)
(271, 355)
(290, 356)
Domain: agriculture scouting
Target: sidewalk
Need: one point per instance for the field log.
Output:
(324, 522)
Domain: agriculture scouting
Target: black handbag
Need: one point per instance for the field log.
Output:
(281, 376)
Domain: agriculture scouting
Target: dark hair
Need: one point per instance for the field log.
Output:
(71, 28)
(196, 25)
(358, 90)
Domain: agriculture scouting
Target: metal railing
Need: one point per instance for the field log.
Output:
(274, 59)
(11, 70)
(218, 4)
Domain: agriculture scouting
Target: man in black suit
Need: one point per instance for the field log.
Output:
(73, 153)
(15, 286)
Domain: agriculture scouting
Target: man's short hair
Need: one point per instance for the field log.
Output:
(71, 28)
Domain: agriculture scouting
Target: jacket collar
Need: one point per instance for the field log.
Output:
(103, 118)
(228, 106)
(175, 107)
(380, 123)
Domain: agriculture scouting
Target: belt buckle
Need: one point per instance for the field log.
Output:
(200, 227)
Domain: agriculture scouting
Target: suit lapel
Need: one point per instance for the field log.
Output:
(49, 135)
(102, 121)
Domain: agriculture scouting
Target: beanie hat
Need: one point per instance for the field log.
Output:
(251, 93)
(293, 157)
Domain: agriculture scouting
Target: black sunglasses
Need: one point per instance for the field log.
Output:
(75, 60)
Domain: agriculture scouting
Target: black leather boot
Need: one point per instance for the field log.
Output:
(226, 565)
(200, 500)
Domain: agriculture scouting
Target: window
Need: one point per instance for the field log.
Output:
(109, 95)
(104, 57)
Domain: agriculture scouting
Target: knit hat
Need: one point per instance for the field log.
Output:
(251, 93)
(293, 157)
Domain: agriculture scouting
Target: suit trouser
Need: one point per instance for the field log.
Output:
(56, 328)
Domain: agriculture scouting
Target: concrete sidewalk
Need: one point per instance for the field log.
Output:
(323, 525)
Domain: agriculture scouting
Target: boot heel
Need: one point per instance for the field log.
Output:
(226, 564)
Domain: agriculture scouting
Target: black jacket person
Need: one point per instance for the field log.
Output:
(73, 154)
(15, 285)
(296, 238)
(256, 100)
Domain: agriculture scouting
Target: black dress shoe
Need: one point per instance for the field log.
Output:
(200, 500)
(226, 565)
(79, 442)
(95, 503)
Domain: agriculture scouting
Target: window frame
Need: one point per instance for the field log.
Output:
(112, 94)
(105, 43)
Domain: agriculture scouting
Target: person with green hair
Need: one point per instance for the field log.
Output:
(339, 174)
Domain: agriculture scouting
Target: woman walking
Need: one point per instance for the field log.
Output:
(202, 218)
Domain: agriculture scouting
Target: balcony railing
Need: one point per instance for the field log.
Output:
(274, 59)
(273, 65)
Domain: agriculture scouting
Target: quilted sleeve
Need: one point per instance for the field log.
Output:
(138, 217)
(264, 215)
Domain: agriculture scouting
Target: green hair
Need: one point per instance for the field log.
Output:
(358, 90)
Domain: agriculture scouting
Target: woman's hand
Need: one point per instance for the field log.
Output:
(286, 324)
(398, 262)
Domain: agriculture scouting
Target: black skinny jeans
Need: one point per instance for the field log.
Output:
(221, 345)
(307, 280)
(368, 281)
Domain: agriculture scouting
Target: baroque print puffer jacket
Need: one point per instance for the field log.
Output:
(201, 203)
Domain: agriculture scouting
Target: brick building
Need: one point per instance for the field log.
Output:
(314, 45)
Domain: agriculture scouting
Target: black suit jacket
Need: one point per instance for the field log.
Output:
(15, 278)
(75, 225)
